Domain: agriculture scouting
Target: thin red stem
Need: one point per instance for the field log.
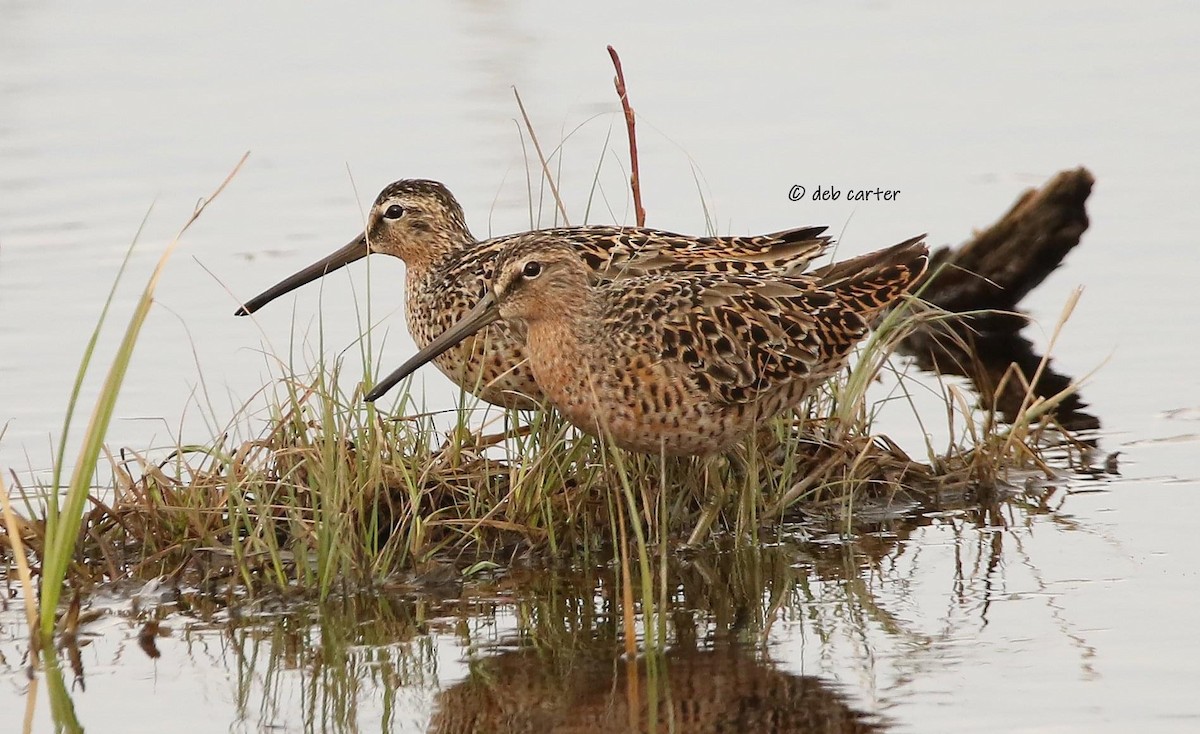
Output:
(634, 178)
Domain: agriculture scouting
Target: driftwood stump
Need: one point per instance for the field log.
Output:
(993, 272)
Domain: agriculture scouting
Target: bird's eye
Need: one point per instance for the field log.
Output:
(395, 211)
(532, 269)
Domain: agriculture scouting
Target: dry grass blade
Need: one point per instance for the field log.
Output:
(13, 533)
(1024, 415)
(542, 159)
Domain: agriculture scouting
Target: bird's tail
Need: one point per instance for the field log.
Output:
(873, 282)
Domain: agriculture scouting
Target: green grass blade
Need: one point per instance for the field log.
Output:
(61, 539)
(84, 363)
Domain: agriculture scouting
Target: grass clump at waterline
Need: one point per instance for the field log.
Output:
(332, 492)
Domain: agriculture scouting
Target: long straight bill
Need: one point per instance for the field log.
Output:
(356, 249)
(485, 313)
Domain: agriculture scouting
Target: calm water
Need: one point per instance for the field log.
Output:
(1076, 620)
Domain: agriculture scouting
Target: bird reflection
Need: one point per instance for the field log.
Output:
(694, 691)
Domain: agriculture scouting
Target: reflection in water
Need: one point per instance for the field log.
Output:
(717, 690)
(985, 279)
(986, 360)
(886, 611)
(348, 661)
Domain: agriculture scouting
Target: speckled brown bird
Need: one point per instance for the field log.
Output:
(678, 362)
(448, 270)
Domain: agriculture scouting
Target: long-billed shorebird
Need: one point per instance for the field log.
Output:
(448, 271)
(677, 362)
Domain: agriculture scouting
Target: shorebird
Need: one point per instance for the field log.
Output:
(677, 362)
(448, 270)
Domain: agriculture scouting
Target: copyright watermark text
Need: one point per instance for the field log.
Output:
(833, 193)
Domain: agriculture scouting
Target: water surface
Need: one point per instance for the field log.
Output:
(1072, 620)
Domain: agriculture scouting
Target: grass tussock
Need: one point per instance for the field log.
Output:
(335, 495)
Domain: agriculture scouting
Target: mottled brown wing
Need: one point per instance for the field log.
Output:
(631, 252)
(735, 337)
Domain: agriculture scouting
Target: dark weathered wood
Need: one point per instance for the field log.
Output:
(1003, 263)
(994, 271)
